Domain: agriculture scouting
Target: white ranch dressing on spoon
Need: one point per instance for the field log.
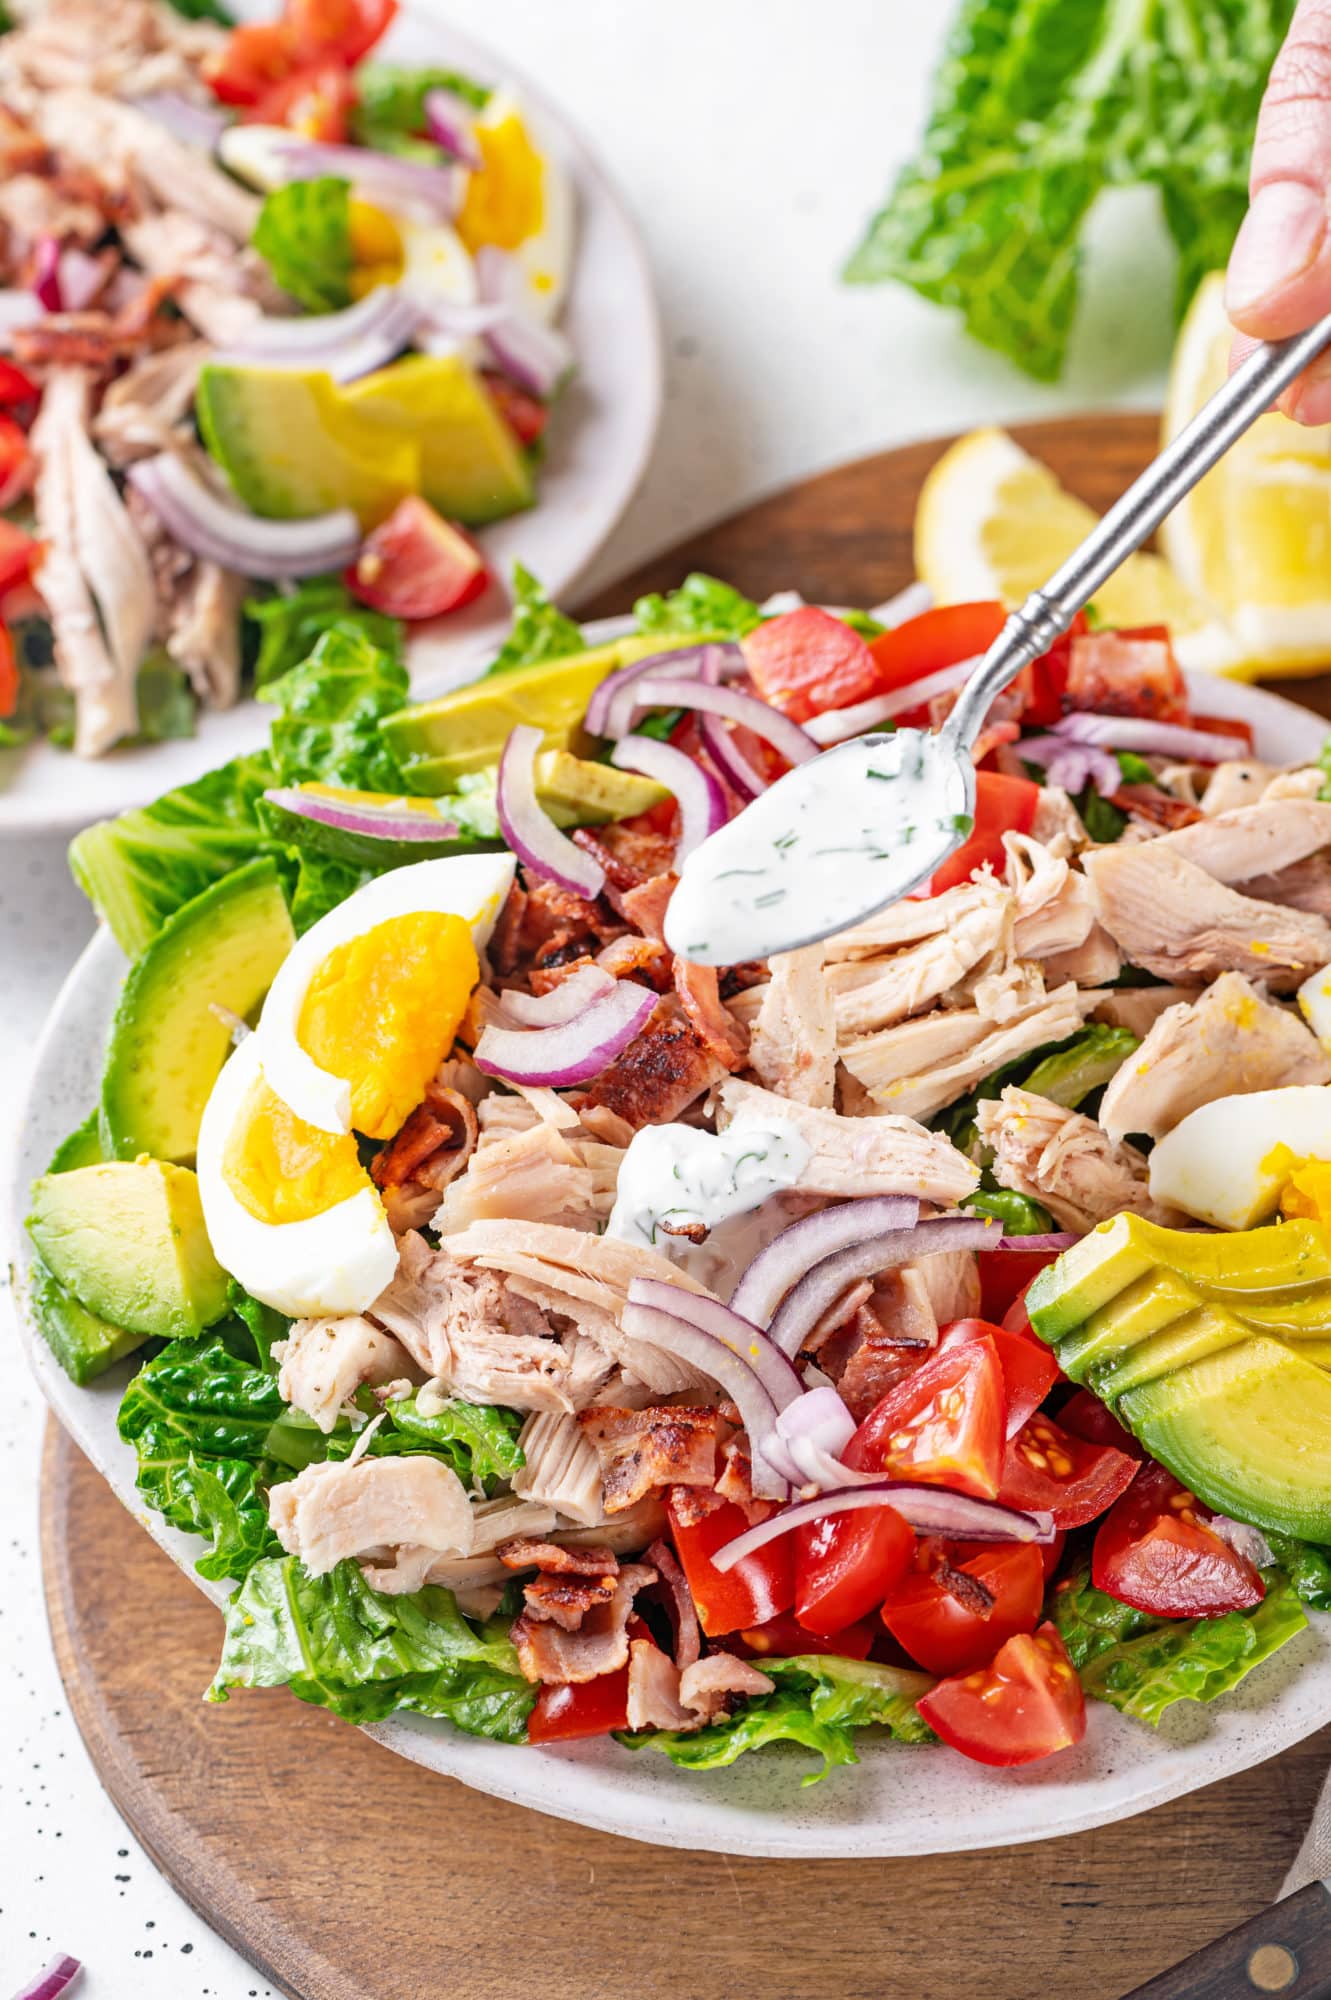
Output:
(834, 840)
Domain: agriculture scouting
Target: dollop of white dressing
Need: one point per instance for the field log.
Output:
(828, 844)
(675, 1177)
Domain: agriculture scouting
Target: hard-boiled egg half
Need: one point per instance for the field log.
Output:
(356, 1023)
(521, 201)
(1227, 1162)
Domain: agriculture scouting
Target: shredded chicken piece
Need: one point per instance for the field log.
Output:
(336, 1509)
(1240, 782)
(1306, 782)
(1227, 1042)
(135, 46)
(941, 1078)
(792, 1048)
(908, 922)
(1254, 840)
(886, 1154)
(127, 148)
(1065, 1161)
(1138, 1008)
(878, 992)
(1057, 824)
(561, 1467)
(951, 1280)
(148, 408)
(540, 1175)
(640, 1449)
(1055, 906)
(599, 1646)
(324, 1362)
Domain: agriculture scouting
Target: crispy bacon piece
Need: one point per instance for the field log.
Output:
(630, 852)
(505, 938)
(1153, 803)
(659, 1446)
(716, 1028)
(524, 1553)
(661, 1072)
(969, 1592)
(433, 1146)
(22, 151)
(624, 957)
(645, 906)
(568, 1582)
(542, 925)
(1127, 673)
(683, 1614)
(706, 1685)
(547, 1652)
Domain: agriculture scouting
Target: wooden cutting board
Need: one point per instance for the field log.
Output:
(344, 1873)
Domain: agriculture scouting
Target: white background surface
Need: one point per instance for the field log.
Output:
(752, 138)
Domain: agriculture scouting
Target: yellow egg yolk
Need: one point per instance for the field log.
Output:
(382, 1011)
(505, 200)
(1307, 1192)
(377, 255)
(280, 1168)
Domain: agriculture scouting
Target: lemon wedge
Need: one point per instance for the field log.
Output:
(1254, 536)
(994, 522)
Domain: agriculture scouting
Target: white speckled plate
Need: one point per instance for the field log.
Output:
(897, 1800)
(600, 440)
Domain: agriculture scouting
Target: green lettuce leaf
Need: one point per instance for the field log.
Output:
(167, 708)
(1085, 1063)
(1143, 1665)
(1307, 1567)
(818, 1703)
(327, 729)
(1019, 1215)
(540, 630)
(479, 1440)
(202, 10)
(390, 106)
(264, 1324)
(291, 622)
(702, 605)
(1038, 106)
(336, 1642)
(304, 235)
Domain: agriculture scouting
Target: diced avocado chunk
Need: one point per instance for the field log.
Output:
(472, 466)
(168, 1043)
(83, 1147)
(440, 741)
(1248, 1429)
(577, 792)
(290, 445)
(127, 1239)
(84, 1344)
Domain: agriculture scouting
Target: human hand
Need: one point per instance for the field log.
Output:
(1280, 269)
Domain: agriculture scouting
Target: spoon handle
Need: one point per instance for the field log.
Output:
(1031, 631)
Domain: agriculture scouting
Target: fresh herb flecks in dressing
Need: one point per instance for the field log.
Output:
(827, 845)
(675, 1179)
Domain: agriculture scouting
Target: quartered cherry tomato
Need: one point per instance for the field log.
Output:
(345, 30)
(316, 101)
(252, 59)
(846, 1562)
(806, 661)
(945, 1634)
(1157, 1552)
(1004, 1278)
(565, 1711)
(732, 1600)
(18, 466)
(943, 1425)
(942, 637)
(417, 565)
(1002, 805)
(18, 556)
(525, 416)
(1087, 1417)
(9, 677)
(1047, 1469)
(783, 1638)
(1029, 1367)
(16, 386)
(1026, 1704)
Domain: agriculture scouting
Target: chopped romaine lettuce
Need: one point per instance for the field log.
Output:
(1133, 769)
(1103, 822)
(166, 703)
(304, 235)
(479, 1440)
(540, 630)
(1038, 106)
(336, 1642)
(703, 605)
(1084, 1064)
(291, 622)
(197, 10)
(390, 104)
(327, 731)
(1019, 1215)
(1307, 1567)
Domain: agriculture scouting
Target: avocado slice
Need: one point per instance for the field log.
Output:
(1188, 1339)
(440, 741)
(83, 1147)
(472, 467)
(1248, 1429)
(220, 950)
(290, 446)
(128, 1241)
(577, 792)
(84, 1344)
(1142, 1309)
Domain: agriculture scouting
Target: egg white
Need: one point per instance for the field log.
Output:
(548, 254)
(257, 155)
(471, 886)
(1314, 998)
(333, 1263)
(436, 267)
(1226, 1162)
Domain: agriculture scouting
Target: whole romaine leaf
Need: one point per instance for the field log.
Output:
(702, 605)
(1038, 106)
(540, 630)
(327, 729)
(304, 235)
(336, 1642)
(291, 623)
(818, 1702)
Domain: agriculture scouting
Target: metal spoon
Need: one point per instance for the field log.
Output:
(1028, 633)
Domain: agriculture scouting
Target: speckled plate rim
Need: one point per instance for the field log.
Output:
(600, 445)
(896, 1801)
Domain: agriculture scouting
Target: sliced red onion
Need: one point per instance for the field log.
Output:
(534, 356)
(529, 829)
(733, 1372)
(451, 123)
(810, 1432)
(394, 820)
(574, 1052)
(702, 803)
(211, 527)
(930, 1510)
(18, 308)
(1054, 1239)
(193, 124)
(749, 710)
(398, 181)
(912, 602)
(1246, 1541)
(562, 1003)
(80, 278)
(1072, 765)
(344, 344)
(611, 709)
(807, 1242)
(720, 745)
(54, 1979)
(46, 274)
(835, 725)
(1147, 738)
(744, 1340)
(805, 1305)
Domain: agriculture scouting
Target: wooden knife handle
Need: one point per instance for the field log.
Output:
(1284, 1952)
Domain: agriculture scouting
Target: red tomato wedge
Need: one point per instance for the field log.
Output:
(748, 1595)
(947, 1635)
(344, 30)
(18, 467)
(1047, 1468)
(784, 1637)
(15, 385)
(1002, 805)
(18, 555)
(1128, 672)
(845, 1563)
(1026, 1704)
(1087, 1417)
(9, 678)
(1157, 1553)
(943, 1425)
(806, 661)
(565, 1711)
(1029, 1368)
(943, 637)
(417, 565)
(1004, 1277)
(250, 61)
(315, 101)
(1044, 684)
(524, 415)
